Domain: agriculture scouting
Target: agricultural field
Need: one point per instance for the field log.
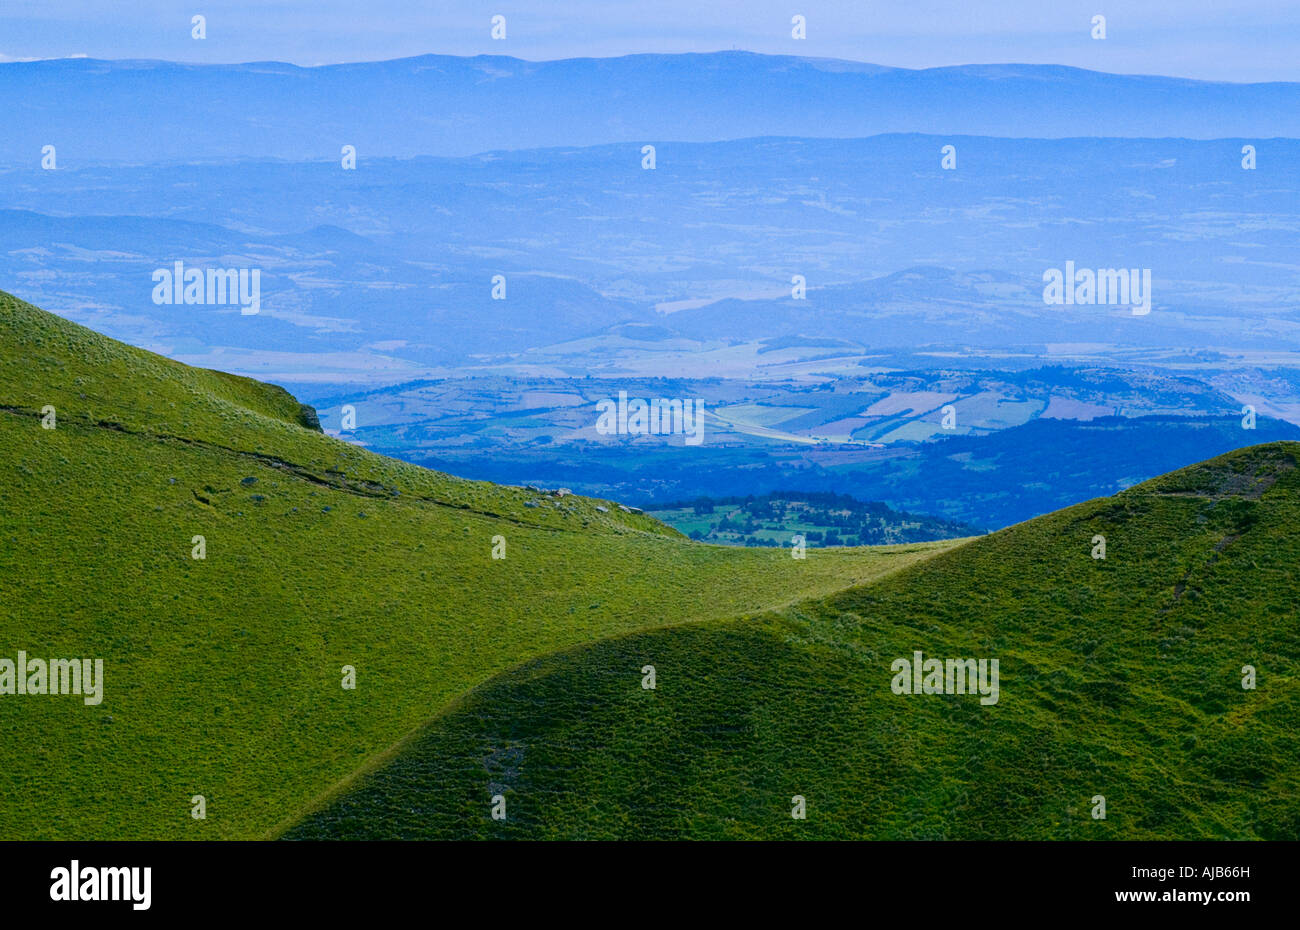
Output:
(821, 520)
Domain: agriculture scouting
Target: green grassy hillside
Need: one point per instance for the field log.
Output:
(1119, 677)
(223, 675)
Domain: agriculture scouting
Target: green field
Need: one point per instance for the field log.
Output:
(1119, 677)
(223, 676)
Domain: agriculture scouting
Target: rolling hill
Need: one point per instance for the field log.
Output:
(523, 677)
(1120, 677)
(223, 675)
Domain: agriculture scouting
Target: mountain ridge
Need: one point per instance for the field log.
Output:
(171, 112)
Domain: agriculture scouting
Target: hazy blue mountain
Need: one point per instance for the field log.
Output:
(147, 111)
(324, 290)
(929, 306)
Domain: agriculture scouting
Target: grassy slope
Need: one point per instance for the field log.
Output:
(223, 675)
(1119, 677)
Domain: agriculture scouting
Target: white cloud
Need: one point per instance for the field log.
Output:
(4, 59)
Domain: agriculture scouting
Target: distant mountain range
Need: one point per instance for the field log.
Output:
(445, 105)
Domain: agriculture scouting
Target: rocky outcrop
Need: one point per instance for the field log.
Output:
(307, 417)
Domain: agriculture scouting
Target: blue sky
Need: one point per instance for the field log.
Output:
(1257, 40)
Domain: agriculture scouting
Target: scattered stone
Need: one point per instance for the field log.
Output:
(248, 481)
(602, 509)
